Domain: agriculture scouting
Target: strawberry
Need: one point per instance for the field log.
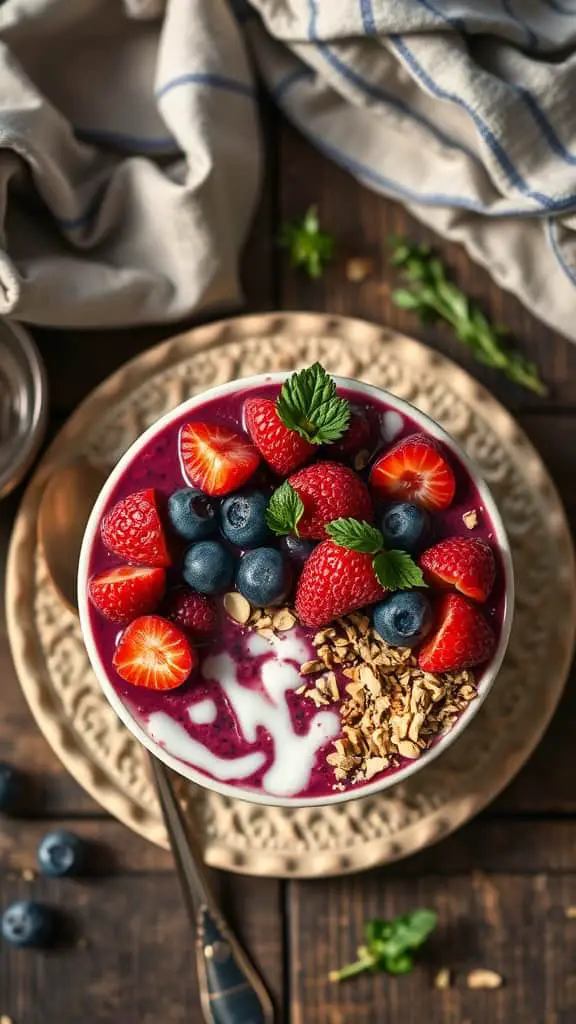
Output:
(196, 613)
(334, 581)
(321, 493)
(466, 563)
(215, 458)
(462, 637)
(307, 412)
(132, 529)
(130, 590)
(154, 653)
(357, 438)
(416, 470)
(282, 449)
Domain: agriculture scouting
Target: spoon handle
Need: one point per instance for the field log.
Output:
(231, 992)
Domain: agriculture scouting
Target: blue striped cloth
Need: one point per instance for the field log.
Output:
(462, 109)
(130, 153)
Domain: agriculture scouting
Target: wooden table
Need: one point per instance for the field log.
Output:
(501, 886)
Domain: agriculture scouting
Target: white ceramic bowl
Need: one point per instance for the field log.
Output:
(126, 712)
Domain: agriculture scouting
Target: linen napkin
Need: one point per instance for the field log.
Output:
(130, 156)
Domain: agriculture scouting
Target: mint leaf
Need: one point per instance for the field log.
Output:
(355, 535)
(390, 944)
(285, 510)
(309, 246)
(308, 403)
(397, 570)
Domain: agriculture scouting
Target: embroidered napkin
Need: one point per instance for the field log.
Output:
(130, 154)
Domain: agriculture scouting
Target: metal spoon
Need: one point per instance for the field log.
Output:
(231, 991)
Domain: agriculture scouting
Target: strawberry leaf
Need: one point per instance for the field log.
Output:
(397, 570)
(285, 510)
(355, 535)
(308, 403)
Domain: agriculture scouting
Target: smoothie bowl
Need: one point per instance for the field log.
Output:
(295, 590)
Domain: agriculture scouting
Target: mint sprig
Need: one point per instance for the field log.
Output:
(394, 570)
(309, 246)
(285, 510)
(390, 945)
(431, 295)
(309, 404)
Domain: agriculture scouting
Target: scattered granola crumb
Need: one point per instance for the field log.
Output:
(237, 607)
(318, 698)
(283, 620)
(483, 978)
(443, 978)
(358, 268)
(311, 668)
(27, 875)
(570, 913)
(470, 519)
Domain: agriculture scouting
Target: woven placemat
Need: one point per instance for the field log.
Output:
(104, 758)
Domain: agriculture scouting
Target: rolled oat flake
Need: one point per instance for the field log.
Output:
(23, 404)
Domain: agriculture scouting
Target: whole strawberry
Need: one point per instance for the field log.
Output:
(307, 413)
(348, 571)
(132, 529)
(462, 637)
(323, 492)
(466, 563)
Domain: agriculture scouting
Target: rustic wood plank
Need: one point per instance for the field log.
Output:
(514, 925)
(492, 843)
(129, 953)
(362, 221)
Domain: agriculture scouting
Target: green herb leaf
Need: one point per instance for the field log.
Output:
(308, 403)
(397, 570)
(390, 945)
(405, 299)
(285, 510)
(355, 535)
(309, 246)
(431, 295)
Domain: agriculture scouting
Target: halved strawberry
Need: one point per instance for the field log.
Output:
(154, 653)
(466, 563)
(130, 590)
(283, 449)
(133, 530)
(462, 637)
(215, 458)
(415, 469)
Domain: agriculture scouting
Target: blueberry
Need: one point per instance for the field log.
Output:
(297, 548)
(208, 567)
(193, 515)
(10, 787)
(264, 577)
(405, 527)
(61, 853)
(243, 519)
(404, 619)
(26, 923)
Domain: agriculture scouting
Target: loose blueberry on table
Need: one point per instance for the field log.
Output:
(26, 923)
(256, 539)
(62, 853)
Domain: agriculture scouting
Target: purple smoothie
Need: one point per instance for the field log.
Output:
(158, 466)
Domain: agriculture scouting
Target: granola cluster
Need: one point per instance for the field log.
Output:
(391, 708)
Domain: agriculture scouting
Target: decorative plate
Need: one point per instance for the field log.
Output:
(104, 758)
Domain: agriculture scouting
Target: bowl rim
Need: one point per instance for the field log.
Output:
(239, 792)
